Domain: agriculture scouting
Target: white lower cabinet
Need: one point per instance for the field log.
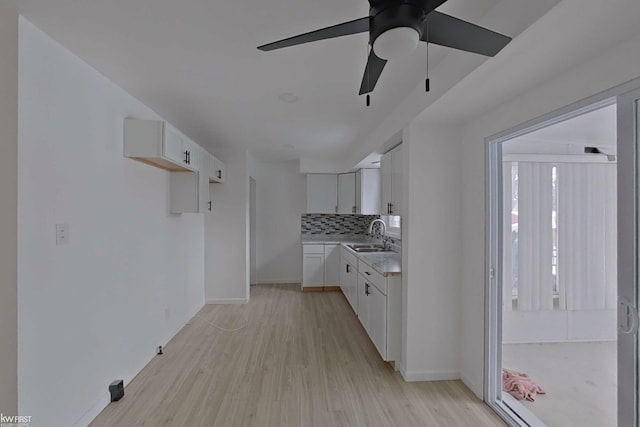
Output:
(312, 270)
(331, 265)
(377, 301)
(378, 320)
(364, 302)
(349, 277)
(320, 265)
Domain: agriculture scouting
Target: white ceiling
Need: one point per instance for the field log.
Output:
(596, 128)
(572, 33)
(196, 64)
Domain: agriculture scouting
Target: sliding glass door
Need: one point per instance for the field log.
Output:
(509, 296)
(628, 260)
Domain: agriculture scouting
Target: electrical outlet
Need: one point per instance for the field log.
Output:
(62, 234)
(167, 313)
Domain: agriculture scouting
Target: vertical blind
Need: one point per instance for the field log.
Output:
(586, 236)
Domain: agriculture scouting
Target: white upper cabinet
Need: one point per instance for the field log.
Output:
(193, 154)
(157, 143)
(347, 193)
(391, 182)
(216, 169)
(322, 193)
(368, 191)
(385, 184)
(192, 167)
(396, 181)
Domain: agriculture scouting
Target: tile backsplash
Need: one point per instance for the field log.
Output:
(336, 224)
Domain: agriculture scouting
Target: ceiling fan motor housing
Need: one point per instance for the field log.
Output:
(385, 15)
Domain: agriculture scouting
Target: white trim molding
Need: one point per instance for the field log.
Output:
(227, 301)
(278, 282)
(430, 376)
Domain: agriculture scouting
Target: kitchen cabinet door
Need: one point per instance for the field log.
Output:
(216, 171)
(368, 192)
(385, 184)
(364, 302)
(312, 270)
(331, 265)
(322, 193)
(378, 320)
(173, 147)
(193, 153)
(396, 181)
(347, 193)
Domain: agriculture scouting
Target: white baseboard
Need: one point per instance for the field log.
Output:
(430, 376)
(227, 300)
(475, 388)
(93, 412)
(277, 282)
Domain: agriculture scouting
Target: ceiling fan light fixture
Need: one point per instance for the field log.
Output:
(396, 43)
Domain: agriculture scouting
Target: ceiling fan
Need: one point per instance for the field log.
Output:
(396, 27)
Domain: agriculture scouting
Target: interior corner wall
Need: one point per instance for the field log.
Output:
(131, 275)
(8, 209)
(281, 201)
(610, 68)
(227, 246)
(431, 253)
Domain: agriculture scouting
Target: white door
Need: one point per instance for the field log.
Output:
(322, 193)
(347, 193)
(628, 260)
(313, 270)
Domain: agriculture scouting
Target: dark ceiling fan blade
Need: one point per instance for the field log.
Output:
(346, 28)
(375, 65)
(452, 32)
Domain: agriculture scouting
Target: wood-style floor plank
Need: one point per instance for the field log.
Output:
(302, 360)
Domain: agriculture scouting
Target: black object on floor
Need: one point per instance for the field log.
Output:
(116, 389)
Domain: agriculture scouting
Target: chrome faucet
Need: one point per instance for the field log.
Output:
(384, 226)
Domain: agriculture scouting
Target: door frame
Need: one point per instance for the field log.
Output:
(628, 139)
(520, 417)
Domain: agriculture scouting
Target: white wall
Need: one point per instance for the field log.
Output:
(431, 253)
(8, 208)
(131, 275)
(281, 200)
(227, 245)
(606, 70)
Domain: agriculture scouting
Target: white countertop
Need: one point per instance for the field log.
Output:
(387, 264)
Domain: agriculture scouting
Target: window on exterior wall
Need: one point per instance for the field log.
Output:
(562, 226)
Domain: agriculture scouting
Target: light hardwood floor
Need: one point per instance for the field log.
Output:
(302, 360)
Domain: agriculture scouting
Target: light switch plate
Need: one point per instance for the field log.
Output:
(62, 234)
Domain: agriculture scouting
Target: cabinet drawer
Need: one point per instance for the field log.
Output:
(348, 256)
(313, 249)
(376, 279)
